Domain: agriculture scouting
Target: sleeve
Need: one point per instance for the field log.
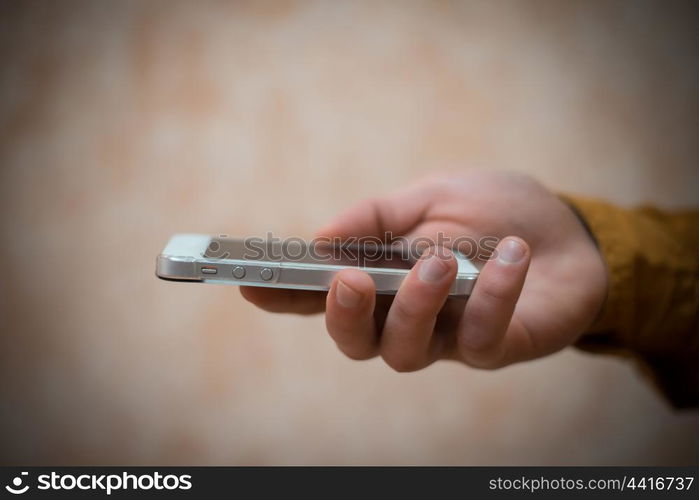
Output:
(651, 313)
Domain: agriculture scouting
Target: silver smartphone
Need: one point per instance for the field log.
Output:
(291, 263)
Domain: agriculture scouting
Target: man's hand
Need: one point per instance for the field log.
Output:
(543, 287)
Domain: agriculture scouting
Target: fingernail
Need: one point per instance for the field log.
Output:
(511, 251)
(432, 269)
(346, 296)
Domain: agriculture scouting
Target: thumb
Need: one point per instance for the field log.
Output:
(396, 213)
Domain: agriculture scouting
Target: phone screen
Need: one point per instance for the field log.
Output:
(298, 251)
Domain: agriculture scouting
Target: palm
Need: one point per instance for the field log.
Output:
(564, 286)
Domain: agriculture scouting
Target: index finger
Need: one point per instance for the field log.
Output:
(282, 300)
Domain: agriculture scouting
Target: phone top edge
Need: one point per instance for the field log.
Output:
(187, 245)
(193, 246)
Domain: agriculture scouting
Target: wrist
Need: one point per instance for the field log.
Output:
(597, 269)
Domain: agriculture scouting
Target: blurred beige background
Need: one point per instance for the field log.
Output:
(124, 122)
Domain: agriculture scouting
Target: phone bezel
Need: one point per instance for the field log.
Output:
(183, 259)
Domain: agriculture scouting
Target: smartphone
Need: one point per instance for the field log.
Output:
(291, 263)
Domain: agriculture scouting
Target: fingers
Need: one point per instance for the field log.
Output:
(407, 341)
(280, 300)
(486, 331)
(350, 314)
(397, 213)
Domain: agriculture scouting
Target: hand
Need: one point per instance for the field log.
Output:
(543, 287)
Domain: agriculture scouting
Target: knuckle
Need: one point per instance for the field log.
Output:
(273, 308)
(496, 290)
(406, 313)
(485, 364)
(479, 313)
(403, 363)
(337, 330)
(437, 183)
(489, 359)
(357, 354)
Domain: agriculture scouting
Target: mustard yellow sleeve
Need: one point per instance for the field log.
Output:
(652, 308)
